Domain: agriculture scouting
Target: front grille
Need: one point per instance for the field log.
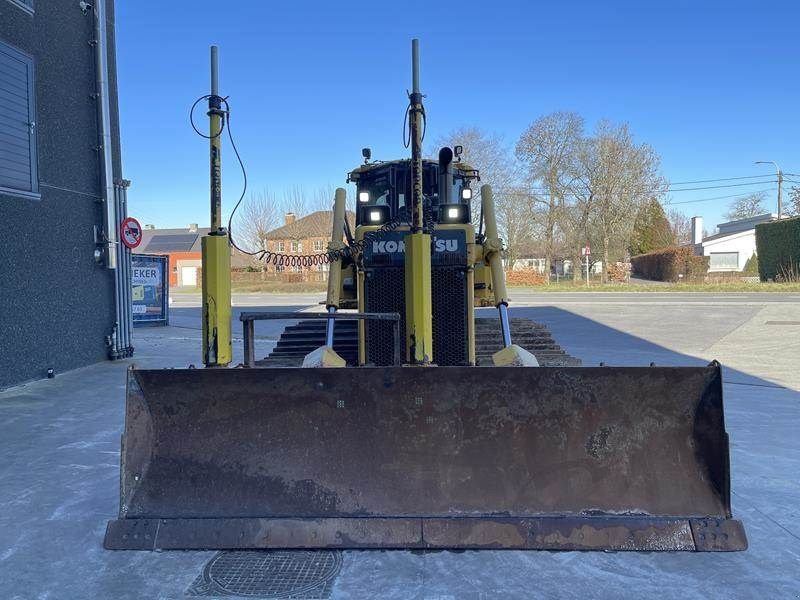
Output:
(449, 316)
(384, 291)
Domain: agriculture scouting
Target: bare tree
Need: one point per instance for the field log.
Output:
(484, 151)
(616, 175)
(258, 214)
(793, 208)
(301, 201)
(747, 206)
(548, 150)
(488, 153)
(681, 226)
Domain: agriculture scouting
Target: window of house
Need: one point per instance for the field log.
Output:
(724, 260)
(318, 246)
(281, 247)
(279, 268)
(18, 157)
(297, 246)
(296, 269)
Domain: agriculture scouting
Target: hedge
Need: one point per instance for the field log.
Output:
(778, 248)
(669, 264)
(525, 277)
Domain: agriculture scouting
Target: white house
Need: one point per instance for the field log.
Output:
(733, 244)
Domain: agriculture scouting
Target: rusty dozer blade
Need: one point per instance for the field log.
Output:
(574, 458)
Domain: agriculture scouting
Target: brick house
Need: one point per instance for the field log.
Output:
(183, 248)
(307, 235)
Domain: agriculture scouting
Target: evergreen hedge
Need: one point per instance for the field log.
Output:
(778, 248)
(669, 264)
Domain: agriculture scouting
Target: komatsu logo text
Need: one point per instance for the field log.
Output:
(391, 246)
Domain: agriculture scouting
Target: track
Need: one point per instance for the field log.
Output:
(298, 340)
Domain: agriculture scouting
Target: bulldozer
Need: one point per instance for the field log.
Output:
(409, 438)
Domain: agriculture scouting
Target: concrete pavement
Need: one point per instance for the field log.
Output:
(60, 445)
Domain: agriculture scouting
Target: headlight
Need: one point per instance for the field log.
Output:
(466, 194)
(454, 213)
(363, 196)
(373, 215)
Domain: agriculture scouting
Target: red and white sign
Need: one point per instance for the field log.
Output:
(586, 251)
(130, 232)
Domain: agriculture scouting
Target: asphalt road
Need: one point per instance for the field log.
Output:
(59, 440)
(525, 297)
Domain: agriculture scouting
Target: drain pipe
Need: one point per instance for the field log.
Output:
(104, 132)
(127, 300)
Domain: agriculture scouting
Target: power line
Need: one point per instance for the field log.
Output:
(730, 185)
(717, 198)
(722, 179)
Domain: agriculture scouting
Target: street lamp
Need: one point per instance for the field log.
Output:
(780, 180)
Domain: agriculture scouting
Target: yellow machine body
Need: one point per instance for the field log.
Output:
(419, 324)
(216, 282)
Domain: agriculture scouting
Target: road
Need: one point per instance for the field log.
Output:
(60, 443)
(527, 297)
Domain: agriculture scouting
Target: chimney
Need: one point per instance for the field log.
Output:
(290, 218)
(697, 230)
(193, 227)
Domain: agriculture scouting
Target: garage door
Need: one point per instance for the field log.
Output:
(189, 276)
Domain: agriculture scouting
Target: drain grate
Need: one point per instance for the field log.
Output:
(268, 575)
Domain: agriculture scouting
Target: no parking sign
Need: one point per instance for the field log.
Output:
(130, 232)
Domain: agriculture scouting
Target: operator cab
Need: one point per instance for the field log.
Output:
(384, 191)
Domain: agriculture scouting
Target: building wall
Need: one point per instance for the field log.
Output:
(744, 243)
(56, 302)
(307, 246)
(176, 259)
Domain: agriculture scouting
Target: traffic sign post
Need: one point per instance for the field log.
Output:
(587, 252)
(130, 232)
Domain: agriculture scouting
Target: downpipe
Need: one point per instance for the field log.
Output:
(104, 132)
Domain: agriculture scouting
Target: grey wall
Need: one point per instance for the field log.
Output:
(56, 303)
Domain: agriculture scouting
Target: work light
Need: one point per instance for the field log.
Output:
(466, 194)
(454, 213)
(373, 215)
(363, 196)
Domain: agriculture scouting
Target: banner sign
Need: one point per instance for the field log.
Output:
(150, 289)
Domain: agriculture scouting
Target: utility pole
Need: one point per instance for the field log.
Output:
(780, 183)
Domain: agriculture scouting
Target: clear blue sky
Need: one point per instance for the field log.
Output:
(712, 85)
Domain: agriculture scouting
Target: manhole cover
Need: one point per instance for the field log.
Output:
(269, 575)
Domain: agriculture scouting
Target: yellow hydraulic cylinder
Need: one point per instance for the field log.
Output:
(216, 300)
(335, 266)
(335, 245)
(493, 247)
(419, 309)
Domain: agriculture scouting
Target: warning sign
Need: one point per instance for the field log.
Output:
(130, 232)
